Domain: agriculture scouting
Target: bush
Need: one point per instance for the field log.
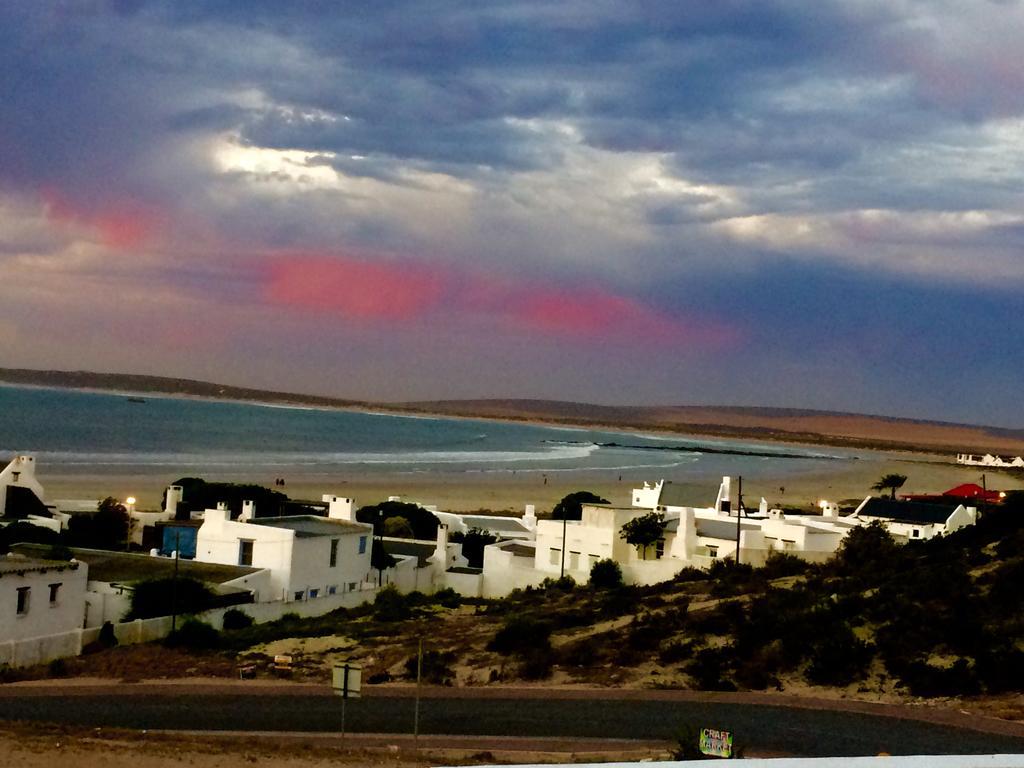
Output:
(923, 679)
(436, 668)
(57, 668)
(606, 574)
(838, 657)
(390, 605)
(708, 670)
(447, 598)
(107, 638)
(194, 635)
(236, 619)
(521, 634)
(536, 663)
(158, 597)
(782, 564)
(564, 584)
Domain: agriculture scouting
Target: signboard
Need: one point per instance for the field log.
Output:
(348, 679)
(715, 743)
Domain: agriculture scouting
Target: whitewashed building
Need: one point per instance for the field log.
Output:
(307, 556)
(39, 598)
(912, 520)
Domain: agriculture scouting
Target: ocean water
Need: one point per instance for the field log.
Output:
(74, 432)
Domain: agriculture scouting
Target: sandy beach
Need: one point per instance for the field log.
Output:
(842, 480)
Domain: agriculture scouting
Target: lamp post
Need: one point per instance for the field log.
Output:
(565, 520)
(739, 511)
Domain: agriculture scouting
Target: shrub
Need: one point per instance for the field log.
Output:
(923, 679)
(708, 670)
(605, 574)
(436, 667)
(390, 605)
(565, 584)
(521, 634)
(536, 663)
(237, 619)
(57, 668)
(107, 638)
(194, 635)
(782, 564)
(447, 598)
(838, 657)
(158, 597)
(676, 651)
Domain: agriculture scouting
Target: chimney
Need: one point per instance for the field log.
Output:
(762, 508)
(174, 495)
(723, 503)
(440, 555)
(530, 517)
(248, 511)
(340, 508)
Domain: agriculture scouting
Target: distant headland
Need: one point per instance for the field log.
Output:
(752, 423)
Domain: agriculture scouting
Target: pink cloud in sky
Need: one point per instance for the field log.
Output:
(404, 291)
(122, 225)
(352, 287)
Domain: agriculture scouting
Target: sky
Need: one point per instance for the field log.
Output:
(808, 204)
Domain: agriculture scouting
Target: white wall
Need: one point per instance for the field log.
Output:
(20, 472)
(42, 617)
(296, 564)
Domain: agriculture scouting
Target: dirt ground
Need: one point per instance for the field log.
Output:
(30, 746)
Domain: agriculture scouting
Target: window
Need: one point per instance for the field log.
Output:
(245, 551)
(300, 594)
(332, 590)
(15, 476)
(351, 586)
(659, 549)
(23, 596)
(313, 593)
(54, 590)
(574, 561)
(554, 556)
(916, 533)
(712, 551)
(362, 545)
(334, 553)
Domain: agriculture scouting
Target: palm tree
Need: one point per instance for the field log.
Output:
(892, 482)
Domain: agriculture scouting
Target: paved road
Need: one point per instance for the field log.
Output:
(802, 731)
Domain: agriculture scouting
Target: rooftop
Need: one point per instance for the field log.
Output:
(308, 526)
(16, 563)
(908, 511)
(495, 523)
(126, 567)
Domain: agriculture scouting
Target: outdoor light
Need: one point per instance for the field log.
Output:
(130, 500)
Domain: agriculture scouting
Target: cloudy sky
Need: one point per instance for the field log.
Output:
(806, 204)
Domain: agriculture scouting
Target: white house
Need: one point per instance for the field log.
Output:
(22, 496)
(40, 597)
(911, 520)
(307, 556)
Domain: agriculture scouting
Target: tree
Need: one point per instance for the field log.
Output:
(473, 543)
(106, 528)
(381, 560)
(643, 531)
(571, 507)
(398, 528)
(424, 523)
(605, 574)
(162, 597)
(891, 482)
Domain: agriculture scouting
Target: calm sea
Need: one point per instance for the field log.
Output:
(78, 432)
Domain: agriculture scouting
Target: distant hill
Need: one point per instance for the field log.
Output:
(777, 424)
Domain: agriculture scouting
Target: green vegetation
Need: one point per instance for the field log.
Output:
(162, 597)
(198, 494)
(890, 483)
(106, 528)
(473, 543)
(605, 574)
(644, 531)
(571, 506)
(421, 521)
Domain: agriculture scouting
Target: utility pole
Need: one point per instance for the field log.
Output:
(174, 581)
(416, 712)
(565, 520)
(739, 511)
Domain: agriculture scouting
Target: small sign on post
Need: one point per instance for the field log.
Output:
(348, 679)
(715, 743)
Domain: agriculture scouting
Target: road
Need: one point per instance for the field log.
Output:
(800, 730)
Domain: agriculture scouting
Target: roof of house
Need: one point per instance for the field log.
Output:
(722, 529)
(466, 570)
(19, 563)
(967, 492)
(308, 526)
(126, 567)
(673, 495)
(495, 523)
(421, 550)
(908, 511)
(518, 549)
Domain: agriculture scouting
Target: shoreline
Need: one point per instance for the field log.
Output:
(681, 431)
